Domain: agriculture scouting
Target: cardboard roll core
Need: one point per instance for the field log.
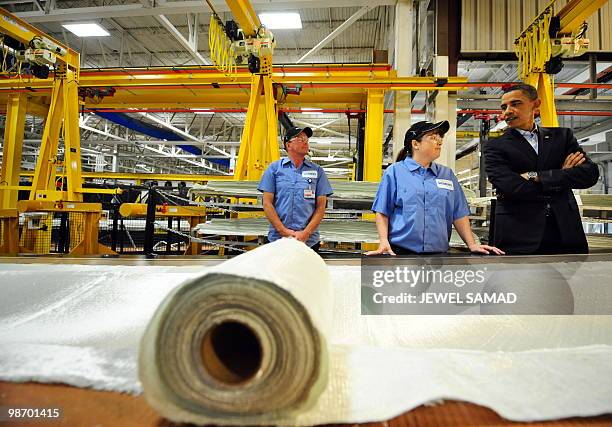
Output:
(231, 353)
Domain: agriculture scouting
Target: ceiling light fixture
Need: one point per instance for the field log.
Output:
(205, 111)
(86, 30)
(281, 21)
(307, 110)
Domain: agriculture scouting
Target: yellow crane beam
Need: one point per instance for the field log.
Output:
(320, 77)
(245, 16)
(575, 12)
(20, 30)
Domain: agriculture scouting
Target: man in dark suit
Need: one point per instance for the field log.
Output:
(534, 170)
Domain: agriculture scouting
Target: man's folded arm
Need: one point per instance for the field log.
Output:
(584, 175)
(505, 180)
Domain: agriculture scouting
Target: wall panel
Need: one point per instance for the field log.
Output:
(468, 18)
(515, 23)
(593, 32)
(605, 14)
(529, 10)
(492, 25)
(483, 22)
(499, 28)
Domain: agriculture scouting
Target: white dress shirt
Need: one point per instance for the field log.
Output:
(531, 137)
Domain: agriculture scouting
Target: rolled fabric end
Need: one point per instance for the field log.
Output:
(244, 343)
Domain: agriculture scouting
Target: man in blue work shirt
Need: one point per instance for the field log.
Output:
(295, 192)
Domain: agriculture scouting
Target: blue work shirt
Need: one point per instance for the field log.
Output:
(421, 204)
(295, 194)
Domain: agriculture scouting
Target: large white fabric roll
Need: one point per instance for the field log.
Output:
(246, 342)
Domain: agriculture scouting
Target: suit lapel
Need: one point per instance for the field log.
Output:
(544, 146)
(524, 145)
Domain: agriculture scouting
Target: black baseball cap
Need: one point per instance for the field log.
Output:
(295, 131)
(420, 128)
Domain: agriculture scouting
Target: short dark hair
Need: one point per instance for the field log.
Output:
(529, 91)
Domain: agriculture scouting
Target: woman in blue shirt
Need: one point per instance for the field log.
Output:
(418, 201)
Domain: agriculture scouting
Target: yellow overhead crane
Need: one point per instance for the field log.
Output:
(46, 195)
(549, 38)
(63, 107)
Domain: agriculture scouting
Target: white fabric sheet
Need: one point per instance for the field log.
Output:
(81, 325)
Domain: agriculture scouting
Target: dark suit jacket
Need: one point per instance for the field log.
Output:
(520, 217)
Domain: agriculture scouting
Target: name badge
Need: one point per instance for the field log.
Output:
(445, 183)
(309, 194)
(310, 174)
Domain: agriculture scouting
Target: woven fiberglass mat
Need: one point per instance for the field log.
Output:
(329, 230)
(314, 359)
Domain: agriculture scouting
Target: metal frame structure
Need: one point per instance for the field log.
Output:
(89, 244)
(62, 116)
(194, 215)
(62, 119)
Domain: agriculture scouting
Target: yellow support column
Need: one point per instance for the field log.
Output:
(13, 143)
(72, 140)
(63, 116)
(46, 164)
(244, 155)
(372, 167)
(546, 91)
(273, 152)
(258, 145)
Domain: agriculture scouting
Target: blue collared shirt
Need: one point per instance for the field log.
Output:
(295, 194)
(421, 205)
(531, 137)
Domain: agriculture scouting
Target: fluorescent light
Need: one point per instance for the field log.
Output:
(86, 30)
(311, 110)
(281, 21)
(203, 111)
